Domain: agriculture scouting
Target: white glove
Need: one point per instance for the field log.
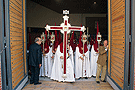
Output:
(106, 49)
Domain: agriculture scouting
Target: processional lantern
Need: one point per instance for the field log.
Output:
(99, 38)
(52, 37)
(43, 40)
(43, 37)
(84, 38)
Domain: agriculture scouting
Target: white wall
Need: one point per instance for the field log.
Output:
(39, 16)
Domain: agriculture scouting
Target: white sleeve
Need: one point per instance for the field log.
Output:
(93, 51)
(87, 54)
(71, 57)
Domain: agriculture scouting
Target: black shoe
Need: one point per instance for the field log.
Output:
(86, 78)
(103, 81)
(37, 83)
(98, 82)
(78, 78)
(31, 82)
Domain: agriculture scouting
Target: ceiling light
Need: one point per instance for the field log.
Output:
(95, 2)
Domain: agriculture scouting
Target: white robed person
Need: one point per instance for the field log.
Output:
(44, 67)
(89, 46)
(58, 65)
(94, 58)
(79, 57)
(73, 44)
(53, 47)
(94, 55)
(50, 61)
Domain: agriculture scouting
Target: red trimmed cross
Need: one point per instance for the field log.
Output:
(65, 28)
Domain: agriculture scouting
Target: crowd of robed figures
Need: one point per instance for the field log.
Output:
(81, 60)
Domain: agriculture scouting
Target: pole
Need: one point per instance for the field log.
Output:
(43, 39)
(83, 60)
(52, 51)
(43, 59)
(87, 35)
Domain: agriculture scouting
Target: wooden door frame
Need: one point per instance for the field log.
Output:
(2, 48)
(8, 54)
(127, 37)
(132, 62)
(7, 28)
(127, 29)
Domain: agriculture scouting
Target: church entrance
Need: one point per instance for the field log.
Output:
(14, 40)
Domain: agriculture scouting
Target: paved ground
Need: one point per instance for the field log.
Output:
(82, 84)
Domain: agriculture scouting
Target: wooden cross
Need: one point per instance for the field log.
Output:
(65, 28)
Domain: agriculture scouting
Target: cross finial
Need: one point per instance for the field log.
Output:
(65, 12)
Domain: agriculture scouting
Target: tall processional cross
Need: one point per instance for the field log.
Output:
(65, 28)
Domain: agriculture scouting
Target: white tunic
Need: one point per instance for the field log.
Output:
(78, 64)
(57, 69)
(93, 61)
(89, 51)
(50, 62)
(46, 64)
(88, 46)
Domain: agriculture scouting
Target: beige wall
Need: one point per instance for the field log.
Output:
(39, 16)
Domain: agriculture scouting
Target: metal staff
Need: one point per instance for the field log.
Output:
(84, 39)
(48, 34)
(52, 39)
(68, 49)
(43, 41)
(87, 35)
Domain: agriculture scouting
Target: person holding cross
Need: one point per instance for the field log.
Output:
(58, 66)
(65, 28)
